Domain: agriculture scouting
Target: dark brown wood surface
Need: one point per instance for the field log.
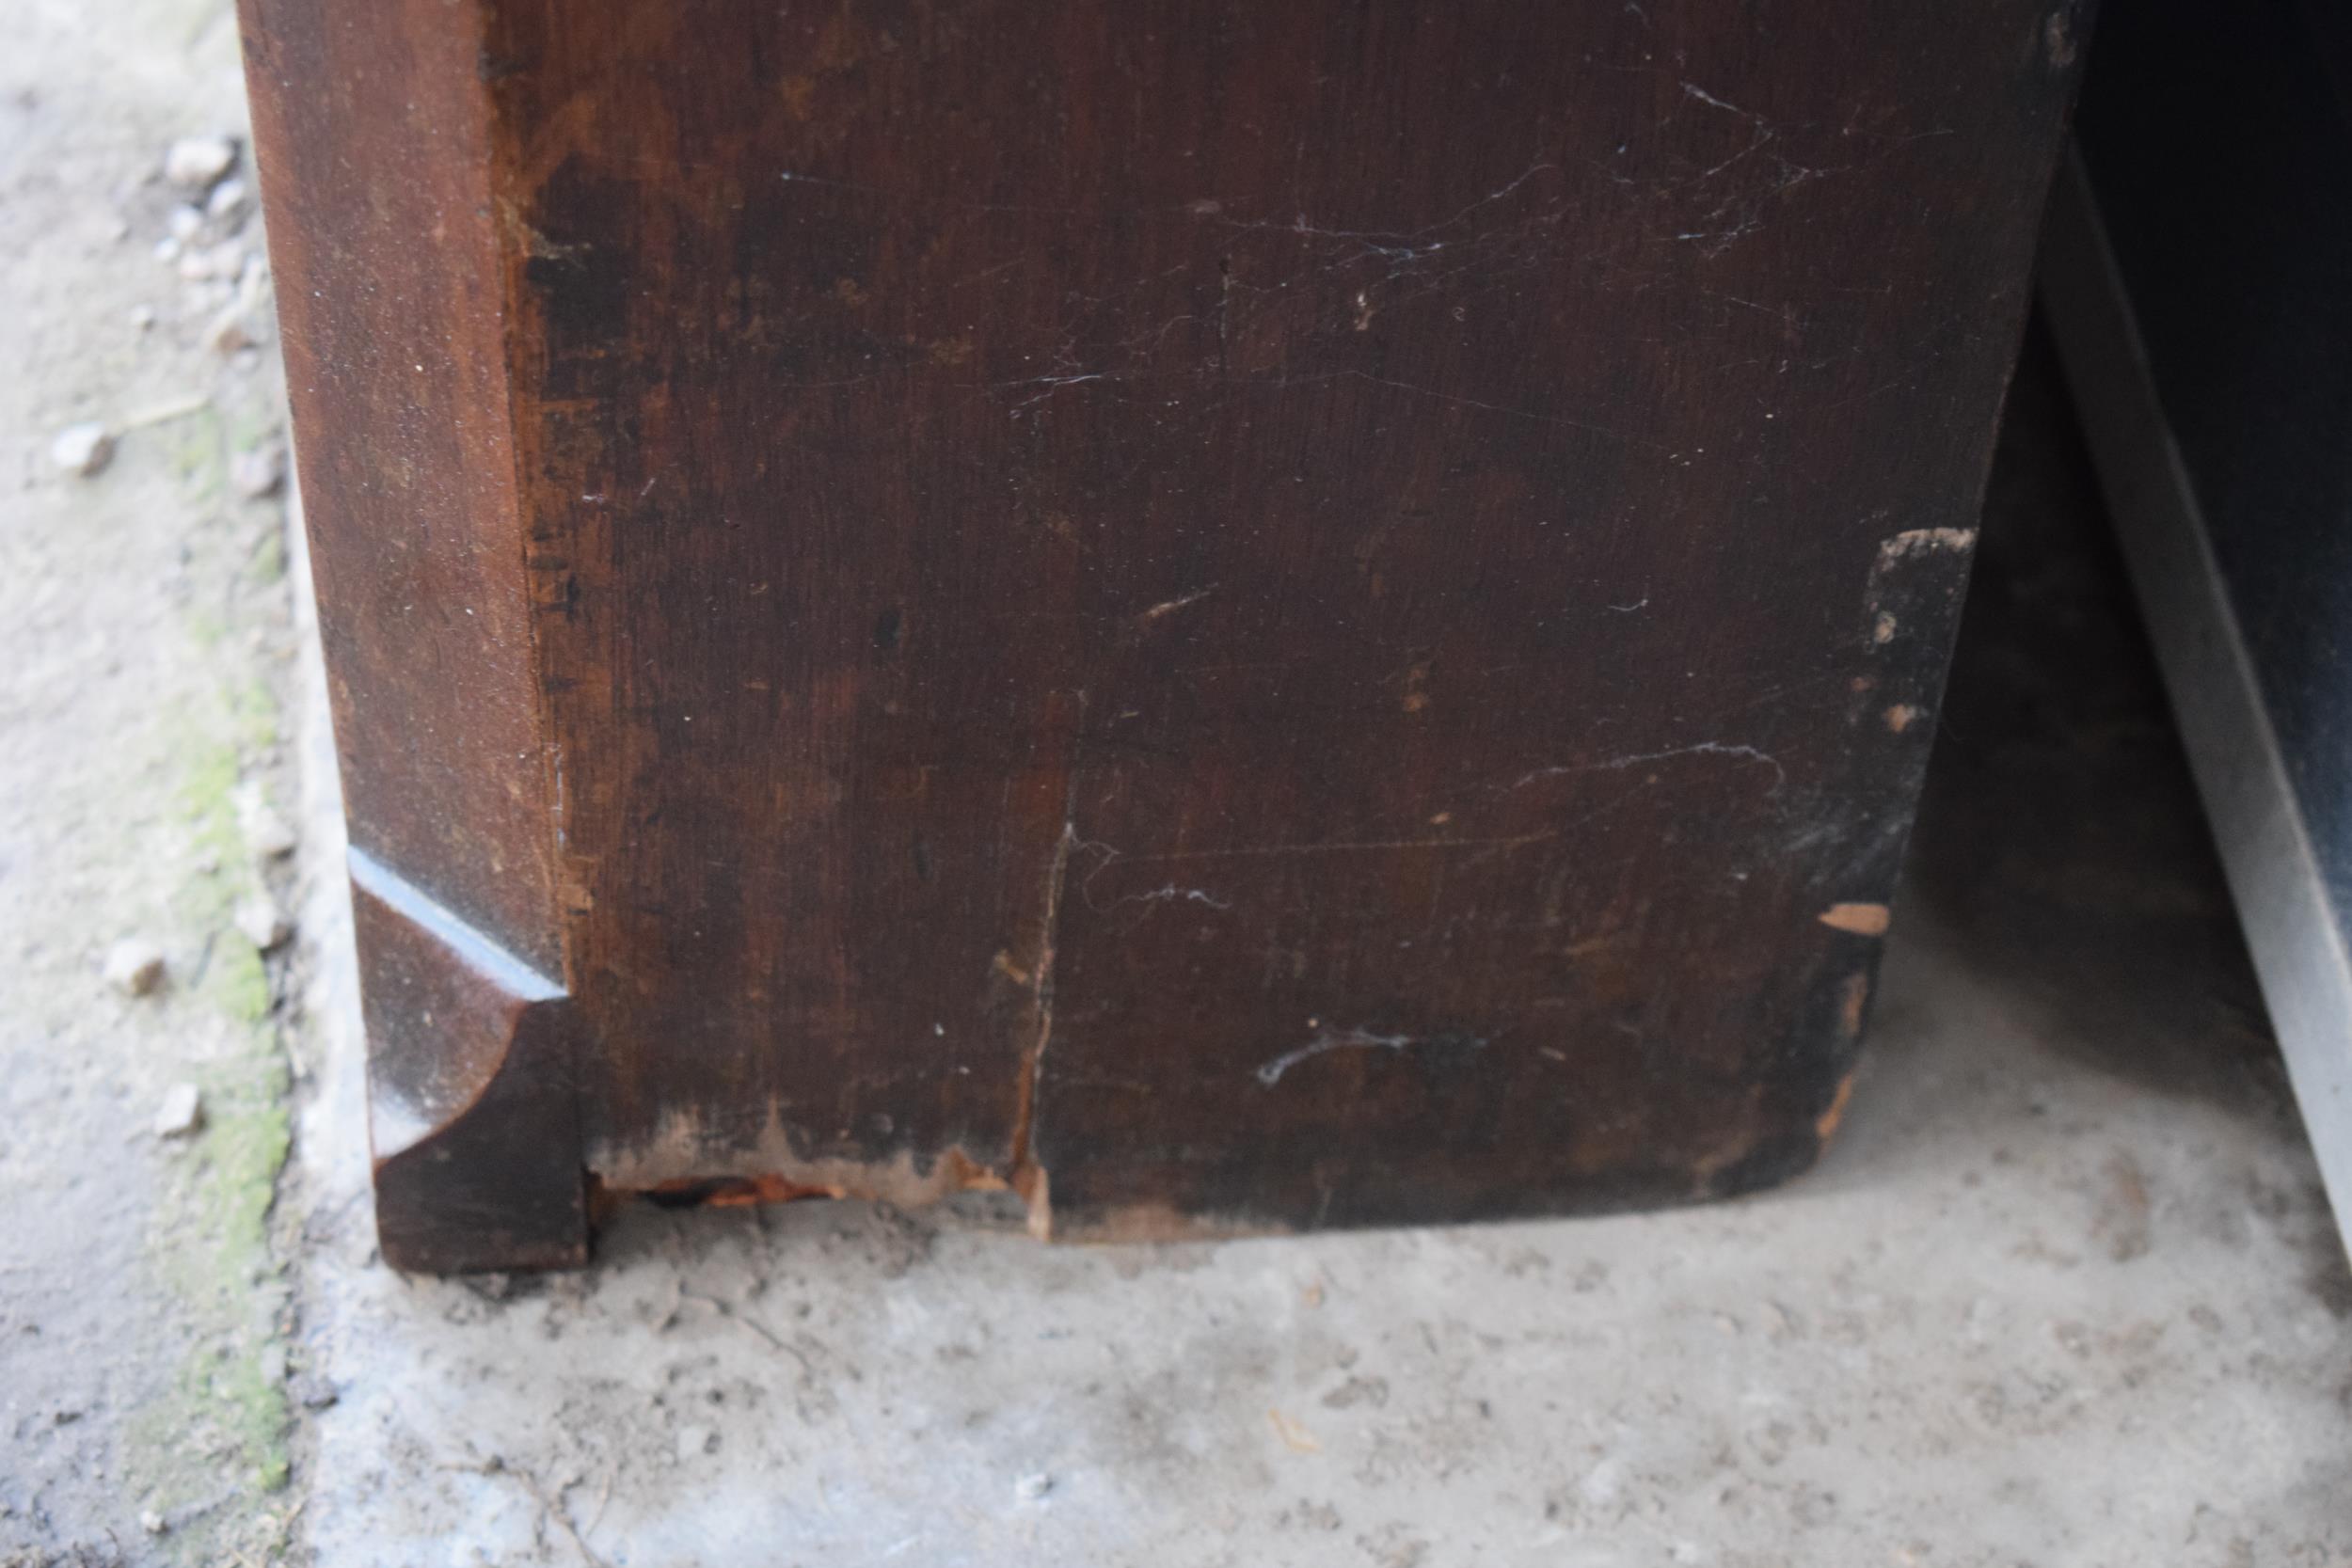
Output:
(380, 154)
(1236, 616)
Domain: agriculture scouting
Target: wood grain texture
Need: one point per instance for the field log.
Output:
(1243, 616)
(375, 144)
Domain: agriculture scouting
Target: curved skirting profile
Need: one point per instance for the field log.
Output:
(473, 1116)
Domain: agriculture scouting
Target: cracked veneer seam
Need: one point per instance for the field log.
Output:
(1026, 1174)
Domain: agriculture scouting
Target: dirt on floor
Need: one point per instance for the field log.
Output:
(145, 801)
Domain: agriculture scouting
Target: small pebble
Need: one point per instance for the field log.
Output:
(227, 202)
(267, 836)
(181, 1112)
(263, 922)
(229, 333)
(196, 162)
(694, 1442)
(134, 966)
(143, 317)
(311, 1391)
(150, 1521)
(258, 473)
(185, 223)
(199, 263)
(82, 449)
(1031, 1489)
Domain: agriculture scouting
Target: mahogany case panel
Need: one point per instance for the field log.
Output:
(1234, 616)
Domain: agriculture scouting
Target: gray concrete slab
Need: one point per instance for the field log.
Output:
(2029, 1313)
(143, 638)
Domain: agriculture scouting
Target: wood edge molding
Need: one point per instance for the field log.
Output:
(473, 1115)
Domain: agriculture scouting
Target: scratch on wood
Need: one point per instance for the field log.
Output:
(1691, 89)
(1027, 1179)
(1163, 895)
(1169, 607)
(1244, 851)
(1704, 748)
(1361, 1040)
(1919, 541)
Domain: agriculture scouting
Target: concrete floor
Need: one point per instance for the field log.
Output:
(2065, 1291)
(143, 650)
(2029, 1313)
